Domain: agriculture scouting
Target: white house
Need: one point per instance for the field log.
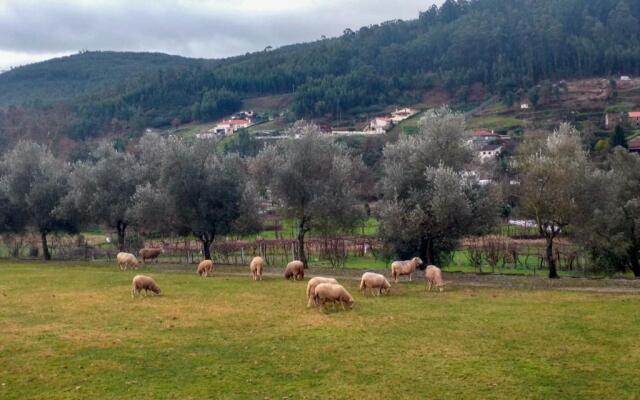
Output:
(230, 126)
(380, 124)
(625, 78)
(489, 152)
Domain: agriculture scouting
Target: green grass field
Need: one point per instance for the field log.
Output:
(495, 122)
(72, 331)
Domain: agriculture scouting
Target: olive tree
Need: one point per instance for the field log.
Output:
(429, 202)
(313, 179)
(12, 218)
(33, 184)
(197, 192)
(610, 224)
(102, 189)
(553, 172)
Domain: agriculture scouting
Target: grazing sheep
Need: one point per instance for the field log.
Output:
(332, 293)
(143, 282)
(150, 254)
(311, 287)
(433, 276)
(126, 260)
(256, 266)
(375, 283)
(295, 270)
(399, 268)
(204, 268)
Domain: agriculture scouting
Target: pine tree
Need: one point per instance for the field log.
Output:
(618, 138)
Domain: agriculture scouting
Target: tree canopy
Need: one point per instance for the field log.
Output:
(428, 202)
(314, 180)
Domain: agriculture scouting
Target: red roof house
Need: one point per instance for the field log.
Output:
(634, 145)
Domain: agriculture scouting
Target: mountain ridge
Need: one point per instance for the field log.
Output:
(511, 49)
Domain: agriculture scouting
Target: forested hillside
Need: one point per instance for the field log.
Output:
(506, 46)
(83, 75)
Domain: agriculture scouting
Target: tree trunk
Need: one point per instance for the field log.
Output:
(553, 272)
(635, 263)
(426, 251)
(45, 246)
(206, 249)
(431, 253)
(301, 232)
(122, 228)
(206, 241)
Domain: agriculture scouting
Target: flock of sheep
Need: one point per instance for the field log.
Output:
(321, 291)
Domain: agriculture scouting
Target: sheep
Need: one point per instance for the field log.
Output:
(143, 282)
(295, 270)
(332, 293)
(256, 267)
(126, 260)
(204, 268)
(399, 268)
(150, 254)
(311, 287)
(433, 276)
(374, 282)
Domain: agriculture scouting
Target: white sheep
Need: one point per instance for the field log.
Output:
(433, 276)
(332, 293)
(295, 270)
(143, 282)
(399, 268)
(204, 268)
(375, 283)
(311, 288)
(256, 267)
(126, 260)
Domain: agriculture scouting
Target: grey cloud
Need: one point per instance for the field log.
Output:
(181, 27)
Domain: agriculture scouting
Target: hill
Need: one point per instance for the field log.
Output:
(470, 50)
(83, 75)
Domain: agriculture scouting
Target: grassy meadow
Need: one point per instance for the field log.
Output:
(72, 331)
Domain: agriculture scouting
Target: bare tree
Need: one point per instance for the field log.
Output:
(313, 179)
(553, 174)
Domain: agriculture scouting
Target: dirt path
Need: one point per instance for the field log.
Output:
(497, 281)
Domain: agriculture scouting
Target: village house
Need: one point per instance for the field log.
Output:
(482, 136)
(634, 145)
(634, 119)
(400, 115)
(245, 114)
(380, 124)
(230, 126)
(489, 151)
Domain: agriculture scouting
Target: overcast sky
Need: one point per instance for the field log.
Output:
(35, 30)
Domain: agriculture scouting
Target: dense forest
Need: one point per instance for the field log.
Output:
(507, 46)
(84, 75)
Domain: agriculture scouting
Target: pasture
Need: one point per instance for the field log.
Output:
(72, 331)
